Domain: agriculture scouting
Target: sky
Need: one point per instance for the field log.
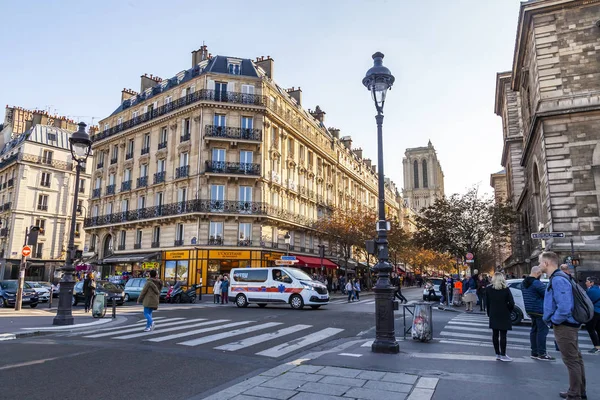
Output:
(74, 57)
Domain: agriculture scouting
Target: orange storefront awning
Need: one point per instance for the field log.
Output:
(314, 262)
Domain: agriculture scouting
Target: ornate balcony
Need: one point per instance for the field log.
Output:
(200, 95)
(125, 186)
(42, 207)
(184, 138)
(145, 150)
(159, 177)
(155, 245)
(110, 189)
(178, 243)
(96, 193)
(121, 247)
(137, 246)
(182, 172)
(142, 181)
(100, 165)
(162, 145)
(113, 161)
(228, 132)
(235, 168)
(129, 156)
(215, 241)
(7, 206)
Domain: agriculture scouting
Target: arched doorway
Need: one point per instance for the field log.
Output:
(107, 248)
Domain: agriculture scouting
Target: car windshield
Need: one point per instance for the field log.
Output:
(9, 285)
(34, 284)
(298, 274)
(110, 287)
(436, 281)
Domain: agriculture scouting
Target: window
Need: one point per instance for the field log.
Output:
(159, 199)
(106, 127)
(179, 233)
(156, 235)
(47, 157)
(163, 134)
(245, 234)
(51, 137)
(247, 89)
(246, 157)
(181, 194)
(234, 68)
(251, 275)
(218, 155)
(138, 237)
(217, 192)
(219, 120)
(80, 206)
(45, 181)
(124, 205)
(215, 233)
(95, 211)
(115, 154)
(183, 159)
(78, 230)
(141, 202)
(82, 186)
(168, 100)
(416, 174)
(146, 141)
(134, 114)
(161, 165)
(42, 202)
(127, 175)
(39, 250)
(41, 223)
(247, 122)
(425, 183)
(291, 205)
(129, 154)
(187, 127)
(143, 170)
(111, 179)
(122, 239)
(109, 208)
(221, 91)
(93, 242)
(120, 121)
(245, 199)
(98, 183)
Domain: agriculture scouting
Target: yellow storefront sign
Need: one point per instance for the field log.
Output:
(230, 255)
(151, 265)
(177, 255)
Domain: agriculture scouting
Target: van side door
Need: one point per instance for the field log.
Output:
(281, 287)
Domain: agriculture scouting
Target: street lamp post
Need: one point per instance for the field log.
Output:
(378, 80)
(80, 144)
(286, 239)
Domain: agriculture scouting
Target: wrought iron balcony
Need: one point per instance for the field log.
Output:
(4, 185)
(159, 177)
(199, 95)
(121, 247)
(4, 232)
(236, 168)
(178, 243)
(184, 138)
(137, 246)
(182, 172)
(43, 183)
(229, 132)
(96, 193)
(113, 161)
(145, 150)
(7, 206)
(42, 207)
(11, 182)
(142, 181)
(110, 189)
(245, 243)
(215, 241)
(125, 186)
(38, 255)
(162, 145)
(129, 156)
(155, 245)
(100, 165)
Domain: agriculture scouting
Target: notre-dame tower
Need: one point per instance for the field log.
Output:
(423, 177)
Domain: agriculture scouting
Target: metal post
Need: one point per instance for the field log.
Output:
(385, 335)
(51, 297)
(64, 315)
(19, 298)
(573, 260)
(114, 308)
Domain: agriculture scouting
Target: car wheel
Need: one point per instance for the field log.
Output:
(516, 316)
(126, 299)
(424, 298)
(4, 303)
(34, 305)
(74, 301)
(315, 307)
(241, 301)
(296, 302)
(262, 305)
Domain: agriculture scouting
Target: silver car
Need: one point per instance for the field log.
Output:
(519, 314)
(42, 292)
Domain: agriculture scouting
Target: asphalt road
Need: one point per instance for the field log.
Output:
(194, 349)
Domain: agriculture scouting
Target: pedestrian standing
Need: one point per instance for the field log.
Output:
(593, 327)
(558, 305)
(470, 293)
(89, 290)
(350, 291)
(357, 289)
(149, 297)
(217, 290)
(533, 297)
(443, 293)
(450, 289)
(500, 304)
(225, 290)
(430, 291)
(334, 284)
(481, 285)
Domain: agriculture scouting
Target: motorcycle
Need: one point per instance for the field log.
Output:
(178, 295)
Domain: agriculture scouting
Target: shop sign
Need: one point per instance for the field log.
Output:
(177, 255)
(151, 265)
(231, 255)
(271, 256)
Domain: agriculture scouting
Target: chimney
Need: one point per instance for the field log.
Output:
(347, 141)
(148, 81)
(318, 114)
(374, 168)
(334, 131)
(266, 64)
(367, 162)
(127, 94)
(358, 152)
(199, 55)
(296, 94)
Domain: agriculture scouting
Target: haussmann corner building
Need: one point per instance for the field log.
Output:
(208, 170)
(550, 108)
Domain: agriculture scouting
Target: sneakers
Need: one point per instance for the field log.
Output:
(147, 329)
(498, 357)
(534, 357)
(545, 357)
(595, 350)
(505, 359)
(565, 395)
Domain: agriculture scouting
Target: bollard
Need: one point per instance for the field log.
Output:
(114, 308)
(50, 301)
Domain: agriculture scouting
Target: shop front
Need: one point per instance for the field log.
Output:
(119, 267)
(313, 265)
(180, 266)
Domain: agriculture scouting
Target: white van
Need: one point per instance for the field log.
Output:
(277, 285)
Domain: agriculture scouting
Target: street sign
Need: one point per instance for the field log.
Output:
(469, 256)
(288, 258)
(286, 262)
(470, 261)
(547, 235)
(26, 251)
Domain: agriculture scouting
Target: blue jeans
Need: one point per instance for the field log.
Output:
(148, 315)
(537, 336)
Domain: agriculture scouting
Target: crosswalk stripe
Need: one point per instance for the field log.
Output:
(513, 332)
(251, 341)
(224, 335)
(294, 345)
(136, 328)
(197, 331)
(116, 328)
(174, 328)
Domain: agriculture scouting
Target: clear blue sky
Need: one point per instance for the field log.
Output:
(75, 57)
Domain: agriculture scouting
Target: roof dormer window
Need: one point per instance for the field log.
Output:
(234, 67)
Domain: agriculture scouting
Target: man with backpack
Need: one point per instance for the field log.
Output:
(561, 303)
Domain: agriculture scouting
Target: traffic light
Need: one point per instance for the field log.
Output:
(32, 236)
(575, 262)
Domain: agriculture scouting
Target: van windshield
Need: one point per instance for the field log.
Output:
(298, 274)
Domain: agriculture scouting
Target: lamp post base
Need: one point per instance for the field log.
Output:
(64, 315)
(385, 335)
(385, 347)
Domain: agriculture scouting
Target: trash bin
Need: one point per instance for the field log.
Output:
(99, 305)
(422, 329)
(457, 297)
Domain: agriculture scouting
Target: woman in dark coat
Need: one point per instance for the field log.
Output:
(500, 303)
(89, 290)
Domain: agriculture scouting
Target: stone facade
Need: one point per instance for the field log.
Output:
(423, 177)
(501, 246)
(556, 80)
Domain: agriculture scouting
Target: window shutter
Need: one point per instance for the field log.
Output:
(192, 89)
(183, 93)
(145, 109)
(155, 105)
(210, 85)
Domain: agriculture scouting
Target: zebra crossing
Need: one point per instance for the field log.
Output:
(220, 333)
(473, 329)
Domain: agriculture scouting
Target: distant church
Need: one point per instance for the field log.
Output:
(423, 177)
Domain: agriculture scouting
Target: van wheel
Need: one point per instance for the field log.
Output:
(74, 301)
(516, 316)
(241, 301)
(296, 302)
(262, 305)
(126, 299)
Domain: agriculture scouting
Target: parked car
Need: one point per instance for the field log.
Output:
(133, 288)
(51, 288)
(8, 294)
(516, 288)
(43, 293)
(110, 289)
(436, 286)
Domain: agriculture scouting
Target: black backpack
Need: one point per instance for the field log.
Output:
(583, 308)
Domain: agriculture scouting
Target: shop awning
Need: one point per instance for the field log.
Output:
(130, 258)
(314, 262)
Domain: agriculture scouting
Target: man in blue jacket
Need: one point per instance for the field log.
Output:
(533, 296)
(593, 327)
(558, 303)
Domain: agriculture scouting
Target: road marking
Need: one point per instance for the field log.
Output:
(42, 361)
(513, 332)
(297, 344)
(175, 328)
(224, 335)
(197, 331)
(262, 338)
(350, 355)
(116, 328)
(466, 357)
(137, 328)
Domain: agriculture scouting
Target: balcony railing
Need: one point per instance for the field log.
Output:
(229, 132)
(42, 207)
(178, 243)
(113, 161)
(215, 241)
(245, 243)
(159, 177)
(110, 189)
(237, 168)
(145, 150)
(182, 172)
(100, 165)
(162, 145)
(155, 245)
(129, 156)
(38, 255)
(137, 246)
(199, 206)
(4, 232)
(11, 182)
(7, 206)
(200, 95)
(10, 160)
(184, 138)
(45, 183)
(96, 193)
(142, 181)
(125, 186)
(121, 247)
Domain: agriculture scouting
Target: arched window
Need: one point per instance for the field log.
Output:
(425, 183)
(416, 174)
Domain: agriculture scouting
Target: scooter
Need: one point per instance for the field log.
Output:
(189, 296)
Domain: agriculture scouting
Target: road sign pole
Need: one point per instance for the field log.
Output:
(19, 298)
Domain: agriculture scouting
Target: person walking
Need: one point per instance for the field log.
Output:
(357, 289)
(398, 288)
(593, 327)
(217, 290)
(225, 290)
(470, 294)
(350, 291)
(558, 303)
(482, 283)
(334, 284)
(500, 304)
(533, 297)
(89, 290)
(149, 297)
